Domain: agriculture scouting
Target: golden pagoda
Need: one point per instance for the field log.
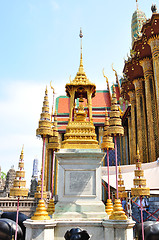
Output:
(19, 186)
(115, 129)
(140, 188)
(107, 139)
(80, 132)
(107, 144)
(45, 125)
(121, 188)
(38, 189)
(44, 131)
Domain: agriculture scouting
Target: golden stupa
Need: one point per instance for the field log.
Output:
(44, 130)
(116, 129)
(37, 194)
(45, 125)
(19, 186)
(121, 188)
(107, 139)
(80, 132)
(140, 188)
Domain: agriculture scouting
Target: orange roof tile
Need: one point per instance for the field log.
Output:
(63, 104)
(101, 99)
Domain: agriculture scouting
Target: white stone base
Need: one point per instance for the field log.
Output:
(94, 229)
(39, 230)
(115, 229)
(98, 230)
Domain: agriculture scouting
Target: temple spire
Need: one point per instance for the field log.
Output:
(81, 60)
(137, 6)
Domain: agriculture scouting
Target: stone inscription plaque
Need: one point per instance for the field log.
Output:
(79, 182)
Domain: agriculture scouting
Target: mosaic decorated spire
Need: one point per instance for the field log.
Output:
(138, 19)
(140, 188)
(121, 187)
(115, 128)
(19, 186)
(107, 140)
(38, 189)
(45, 125)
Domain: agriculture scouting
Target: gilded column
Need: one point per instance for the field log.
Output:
(130, 138)
(151, 108)
(89, 97)
(141, 119)
(133, 126)
(46, 165)
(154, 44)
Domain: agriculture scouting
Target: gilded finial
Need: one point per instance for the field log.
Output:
(52, 87)
(107, 82)
(116, 75)
(46, 91)
(70, 78)
(81, 60)
(137, 7)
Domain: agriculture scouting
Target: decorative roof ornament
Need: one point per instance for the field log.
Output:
(107, 84)
(154, 8)
(117, 79)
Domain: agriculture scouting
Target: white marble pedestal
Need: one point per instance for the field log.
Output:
(79, 185)
(39, 230)
(115, 229)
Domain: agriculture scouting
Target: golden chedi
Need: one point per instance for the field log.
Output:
(19, 185)
(118, 212)
(45, 125)
(107, 144)
(115, 122)
(41, 212)
(107, 139)
(121, 188)
(116, 129)
(80, 132)
(140, 188)
(37, 194)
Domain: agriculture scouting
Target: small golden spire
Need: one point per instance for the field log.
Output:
(81, 60)
(137, 6)
(116, 75)
(53, 89)
(107, 83)
(140, 188)
(19, 186)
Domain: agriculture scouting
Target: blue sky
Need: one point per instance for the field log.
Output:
(40, 42)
